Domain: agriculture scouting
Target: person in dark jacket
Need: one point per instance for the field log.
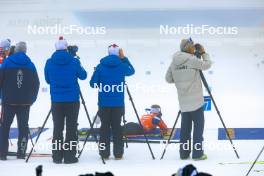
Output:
(62, 72)
(19, 83)
(109, 77)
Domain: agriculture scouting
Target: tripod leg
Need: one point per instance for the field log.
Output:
(87, 114)
(124, 122)
(218, 112)
(134, 107)
(41, 130)
(10, 141)
(86, 139)
(168, 141)
(30, 137)
(255, 161)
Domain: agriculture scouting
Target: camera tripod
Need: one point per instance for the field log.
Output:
(124, 121)
(46, 119)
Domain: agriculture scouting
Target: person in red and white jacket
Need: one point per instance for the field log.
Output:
(5, 46)
(153, 120)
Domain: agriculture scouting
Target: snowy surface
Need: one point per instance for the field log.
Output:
(137, 160)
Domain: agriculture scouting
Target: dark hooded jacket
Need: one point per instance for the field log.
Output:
(19, 81)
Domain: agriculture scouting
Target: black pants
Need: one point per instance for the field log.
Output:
(7, 117)
(68, 111)
(197, 119)
(111, 124)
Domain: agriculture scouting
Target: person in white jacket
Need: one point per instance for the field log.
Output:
(184, 72)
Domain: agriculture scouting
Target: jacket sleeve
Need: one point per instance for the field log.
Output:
(1, 76)
(95, 77)
(2, 73)
(81, 73)
(46, 72)
(129, 70)
(36, 84)
(199, 64)
(162, 125)
(169, 77)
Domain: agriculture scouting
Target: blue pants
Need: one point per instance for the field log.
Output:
(195, 118)
(7, 117)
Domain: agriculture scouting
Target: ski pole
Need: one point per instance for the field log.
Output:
(134, 107)
(168, 141)
(255, 161)
(41, 130)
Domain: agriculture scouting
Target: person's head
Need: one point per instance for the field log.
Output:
(21, 47)
(113, 50)
(5, 47)
(61, 44)
(187, 46)
(155, 109)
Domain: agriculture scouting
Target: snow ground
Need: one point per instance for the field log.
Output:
(137, 160)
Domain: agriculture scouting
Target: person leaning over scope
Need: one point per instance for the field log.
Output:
(62, 72)
(19, 83)
(184, 72)
(111, 72)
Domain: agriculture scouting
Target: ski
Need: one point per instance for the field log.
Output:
(259, 170)
(33, 154)
(152, 141)
(246, 162)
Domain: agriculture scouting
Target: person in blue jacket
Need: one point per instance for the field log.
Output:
(19, 83)
(62, 72)
(109, 78)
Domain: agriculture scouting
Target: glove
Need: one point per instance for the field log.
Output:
(199, 48)
(165, 133)
(121, 53)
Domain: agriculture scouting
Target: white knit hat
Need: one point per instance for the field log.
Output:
(113, 50)
(61, 44)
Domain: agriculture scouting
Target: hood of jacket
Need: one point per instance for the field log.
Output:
(111, 61)
(180, 58)
(61, 57)
(19, 58)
